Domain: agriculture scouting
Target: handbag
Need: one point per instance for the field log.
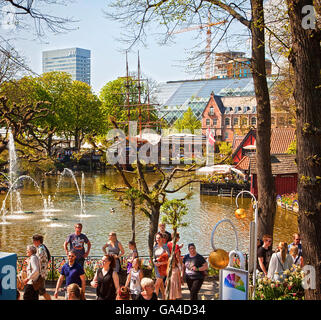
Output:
(162, 268)
(20, 284)
(37, 284)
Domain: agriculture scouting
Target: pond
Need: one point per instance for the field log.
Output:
(98, 219)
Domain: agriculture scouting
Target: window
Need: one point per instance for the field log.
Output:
(211, 111)
(236, 121)
(253, 121)
(207, 122)
(214, 121)
(227, 121)
(226, 135)
(244, 122)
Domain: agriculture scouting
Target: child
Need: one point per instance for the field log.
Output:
(133, 254)
(133, 279)
(176, 282)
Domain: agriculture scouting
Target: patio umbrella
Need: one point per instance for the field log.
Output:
(221, 169)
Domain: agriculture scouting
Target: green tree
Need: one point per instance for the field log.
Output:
(225, 148)
(188, 122)
(174, 211)
(81, 114)
(53, 87)
(292, 147)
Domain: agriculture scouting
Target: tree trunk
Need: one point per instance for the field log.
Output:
(170, 267)
(265, 181)
(305, 58)
(49, 145)
(153, 227)
(77, 140)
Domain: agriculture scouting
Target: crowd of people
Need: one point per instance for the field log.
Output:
(271, 263)
(190, 268)
(106, 280)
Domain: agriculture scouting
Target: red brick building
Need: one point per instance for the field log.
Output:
(230, 116)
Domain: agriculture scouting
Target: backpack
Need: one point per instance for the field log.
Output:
(48, 253)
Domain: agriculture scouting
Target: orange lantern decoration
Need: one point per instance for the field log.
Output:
(219, 259)
(240, 213)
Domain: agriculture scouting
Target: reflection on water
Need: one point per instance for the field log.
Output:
(99, 220)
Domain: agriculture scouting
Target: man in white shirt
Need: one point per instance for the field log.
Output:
(43, 259)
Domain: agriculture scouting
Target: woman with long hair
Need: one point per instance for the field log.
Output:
(161, 254)
(115, 248)
(280, 261)
(106, 280)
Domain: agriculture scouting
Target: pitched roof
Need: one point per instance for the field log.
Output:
(243, 164)
(240, 145)
(281, 164)
(281, 139)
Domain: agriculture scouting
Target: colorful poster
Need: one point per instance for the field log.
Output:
(233, 284)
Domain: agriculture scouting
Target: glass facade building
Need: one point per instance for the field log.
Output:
(175, 97)
(75, 61)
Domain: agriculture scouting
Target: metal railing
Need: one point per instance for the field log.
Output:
(92, 263)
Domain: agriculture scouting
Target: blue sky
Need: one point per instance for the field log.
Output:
(96, 33)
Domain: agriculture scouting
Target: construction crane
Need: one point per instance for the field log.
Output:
(208, 41)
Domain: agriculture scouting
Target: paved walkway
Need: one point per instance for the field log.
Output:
(208, 290)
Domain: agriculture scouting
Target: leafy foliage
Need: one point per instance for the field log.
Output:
(188, 122)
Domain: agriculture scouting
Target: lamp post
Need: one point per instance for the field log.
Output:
(254, 253)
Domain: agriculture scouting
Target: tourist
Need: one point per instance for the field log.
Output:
(175, 291)
(297, 259)
(74, 292)
(132, 255)
(123, 293)
(134, 278)
(166, 235)
(148, 292)
(106, 280)
(43, 256)
(160, 254)
(72, 272)
(280, 261)
(177, 247)
(296, 242)
(264, 255)
(259, 243)
(115, 248)
(77, 241)
(33, 272)
(194, 267)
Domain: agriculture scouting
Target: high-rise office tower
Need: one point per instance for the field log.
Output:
(75, 61)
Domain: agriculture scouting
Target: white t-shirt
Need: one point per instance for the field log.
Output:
(134, 286)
